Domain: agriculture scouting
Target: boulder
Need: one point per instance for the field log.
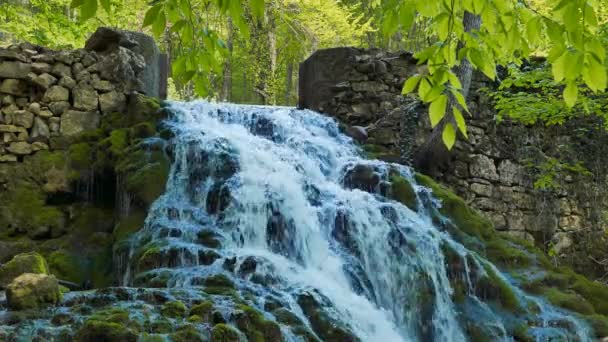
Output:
(358, 133)
(33, 291)
(74, 122)
(23, 118)
(67, 82)
(112, 102)
(56, 94)
(44, 81)
(20, 148)
(22, 263)
(61, 70)
(85, 99)
(41, 68)
(7, 54)
(40, 129)
(13, 87)
(59, 108)
(14, 69)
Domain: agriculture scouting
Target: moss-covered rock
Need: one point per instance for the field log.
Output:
(22, 263)
(102, 331)
(203, 310)
(174, 309)
(224, 333)
(68, 266)
(188, 333)
(33, 291)
(253, 324)
(569, 300)
(491, 287)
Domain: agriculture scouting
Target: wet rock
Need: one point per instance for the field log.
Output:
(363, 177)
(323, 325)
(31, 291)
(358, 133)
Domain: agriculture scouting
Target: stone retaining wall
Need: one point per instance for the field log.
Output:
(45, 94)
(492, 170)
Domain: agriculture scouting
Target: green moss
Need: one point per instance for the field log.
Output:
(151, 338)
(492, 287)
(209, 239)
(187, 333)
(221, 291)
(146, 174)
(67, 266)
(149, 259)
(116, 143)
(80, 156)
(286, 317)
(22, 263)
(203, 310)
(521, 334)
(379, 152)
(403, 192)
(161, 326)
(455, 208)
(594, 292)
(506, 254)
(174, 309)
(569, 301)
(94, 330)
(224, 333)
(219, 280)
(143, 130)
(599, 323)
(129, 225)
(253, 324)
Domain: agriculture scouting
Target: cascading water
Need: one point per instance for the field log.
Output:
(273, 222)
(273, 198)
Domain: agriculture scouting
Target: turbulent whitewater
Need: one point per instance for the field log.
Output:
(270, 198)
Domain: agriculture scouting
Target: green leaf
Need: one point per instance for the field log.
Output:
(462, 126)
(158, 27)
(449, 136)
(88, 9)
(407, 14)
(454, 81)
(460, 99)
(411, 84)
(152, 14)
(76, 3)
(437, 110)
(390, 23)
(594, 75)
(559, 67)
(257, 7)
(571, 94)
(178, 26)
(106, 4)
(424, 88)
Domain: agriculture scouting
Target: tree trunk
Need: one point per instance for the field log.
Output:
(288, 82)
(433, 154)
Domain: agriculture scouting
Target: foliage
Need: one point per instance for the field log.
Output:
(510, 30)
(552, 169)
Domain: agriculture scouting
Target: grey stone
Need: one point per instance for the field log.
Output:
(74, 122)
(21, 102)
(77, 68)
(103, 85)
(41, 68)
(34, 108)
(56, 94)
(13, 69)
(83, 76)
(23, 118)
(45, 81)
(483, 167)
(39, 146)
(10, 109)
(358, 133)
(45, 113)
(85, 99)
(8, 158)
(112, 102)
(6, 54)
(67, 82)
(61, 70)
(89, 59)
(65, 57)
(13, 87)
(59, 108)
(43, 58)
(20, 148)
(10, 129)
(40, 129)
(8, 99)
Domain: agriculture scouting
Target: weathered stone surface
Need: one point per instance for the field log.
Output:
(59, 108)
(45, 80)
(10, 129)
(7, 99)
(112, 102)
(14, 69)
(34, 107)
(40, 129)
(45, 113)
(33, 291)
(67, 82)
(571, 223)
(56, 94)
(23, 118)
(6, 54)
(8, 158)
(13, 87)
(41, 68)
(85, 99)
(21, 102)
(74, 122)
(20, 148)
(103, 85)
(61, 70)
(39, 146)
(358, 133)
(483, 167)
(22, 263)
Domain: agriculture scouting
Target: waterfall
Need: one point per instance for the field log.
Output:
(267, 196)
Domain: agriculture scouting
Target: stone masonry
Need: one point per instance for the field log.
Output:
(46, 94)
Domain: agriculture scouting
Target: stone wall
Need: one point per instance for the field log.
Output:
(494, 170)
(46, 94)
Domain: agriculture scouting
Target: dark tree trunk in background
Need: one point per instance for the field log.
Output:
(288, 83)
(433, 154)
